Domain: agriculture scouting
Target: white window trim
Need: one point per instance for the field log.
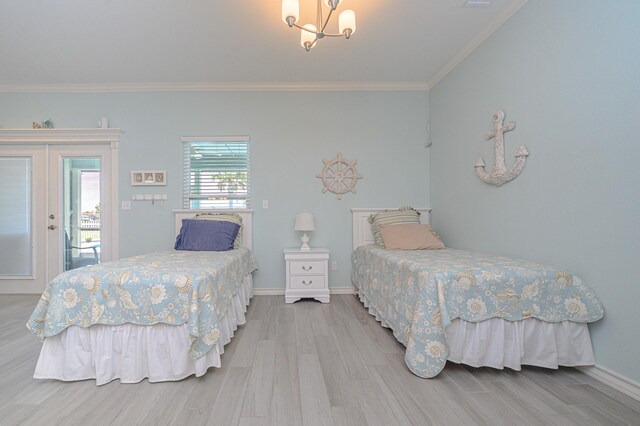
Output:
(215, 139)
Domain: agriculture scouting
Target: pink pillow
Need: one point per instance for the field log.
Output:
(411, 236)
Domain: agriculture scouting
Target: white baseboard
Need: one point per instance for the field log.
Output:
(342, 290)
(268, 291)
(618, 382)
(280, 291)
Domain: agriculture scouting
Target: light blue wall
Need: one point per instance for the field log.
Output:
(568, 73)
(291, 132)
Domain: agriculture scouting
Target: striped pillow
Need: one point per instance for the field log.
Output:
(392, 217)
(226, 217)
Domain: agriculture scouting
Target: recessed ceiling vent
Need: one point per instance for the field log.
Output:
(476, 3)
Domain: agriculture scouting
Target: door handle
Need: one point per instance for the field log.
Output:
(51, 227)
(52, 216)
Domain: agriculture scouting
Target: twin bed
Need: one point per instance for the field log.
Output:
(162, 316)
(472, 308)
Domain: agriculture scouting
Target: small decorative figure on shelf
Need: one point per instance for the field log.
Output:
(44, 125)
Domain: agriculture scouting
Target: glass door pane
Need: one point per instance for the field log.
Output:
(15, 216)
(81, 212)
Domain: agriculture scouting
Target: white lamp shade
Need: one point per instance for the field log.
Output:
(290, 8)
(306, 36)
(347, 21)
(304, 222)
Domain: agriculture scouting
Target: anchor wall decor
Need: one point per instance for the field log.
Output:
(499, 174)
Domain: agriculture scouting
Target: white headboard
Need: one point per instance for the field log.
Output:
(245, 214)
(362, 228)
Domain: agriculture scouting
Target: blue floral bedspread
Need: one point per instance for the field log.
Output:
(172, 287)
(418, 293)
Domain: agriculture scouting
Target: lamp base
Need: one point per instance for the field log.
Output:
(305, 242)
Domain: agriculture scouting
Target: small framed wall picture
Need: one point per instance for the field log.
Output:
(148, 177)
(136, 178)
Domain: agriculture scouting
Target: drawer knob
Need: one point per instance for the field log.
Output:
(307, 283)
(304, 268)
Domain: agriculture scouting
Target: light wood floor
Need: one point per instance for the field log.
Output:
(306, 363)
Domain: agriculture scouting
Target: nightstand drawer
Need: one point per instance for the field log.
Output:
(307, 281)
(302, 267)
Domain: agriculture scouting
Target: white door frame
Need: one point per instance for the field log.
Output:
(53, 137)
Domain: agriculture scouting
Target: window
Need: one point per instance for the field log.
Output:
(216, 172)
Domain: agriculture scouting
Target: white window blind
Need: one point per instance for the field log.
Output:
(216, 172)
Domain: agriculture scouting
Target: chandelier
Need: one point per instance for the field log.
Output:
(310, 34)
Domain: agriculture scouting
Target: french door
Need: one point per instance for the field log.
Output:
(56, 211)
(78, 213)
(22, 219)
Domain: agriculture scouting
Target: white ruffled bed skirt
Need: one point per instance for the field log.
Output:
(498, 343)
(132, 352)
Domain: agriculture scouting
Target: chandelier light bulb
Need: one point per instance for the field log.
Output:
(347, 23)
(308, 38)
(290, 12)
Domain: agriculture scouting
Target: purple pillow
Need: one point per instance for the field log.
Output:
(206, 235)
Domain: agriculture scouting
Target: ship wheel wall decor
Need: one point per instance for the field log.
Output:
(339, 176)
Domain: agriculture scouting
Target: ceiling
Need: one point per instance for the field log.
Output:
(402, 43)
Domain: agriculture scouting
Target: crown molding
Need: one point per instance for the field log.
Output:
(347, 86)
(60, 136)
(474, 43)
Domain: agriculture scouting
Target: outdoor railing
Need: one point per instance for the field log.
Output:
(89, 230)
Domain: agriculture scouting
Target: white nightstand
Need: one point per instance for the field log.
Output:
(307, 274)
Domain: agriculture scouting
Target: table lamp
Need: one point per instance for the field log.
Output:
(304, 223)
